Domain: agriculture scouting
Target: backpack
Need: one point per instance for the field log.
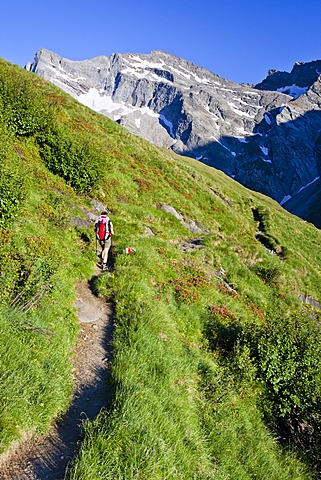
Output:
(103, 228)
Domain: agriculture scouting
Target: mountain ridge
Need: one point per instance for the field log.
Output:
(268, 140)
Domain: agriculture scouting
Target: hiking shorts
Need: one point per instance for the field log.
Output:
(105, 244)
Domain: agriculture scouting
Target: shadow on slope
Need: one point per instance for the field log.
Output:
(306, 204)
(279, 160)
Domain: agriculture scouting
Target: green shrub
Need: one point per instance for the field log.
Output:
(288, 355)
(268, 272)
(25, 109)
(71, 157)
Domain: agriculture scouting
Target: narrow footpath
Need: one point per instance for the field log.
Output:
(47, 457)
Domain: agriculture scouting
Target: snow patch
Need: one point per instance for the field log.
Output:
(168, 124)
(97, 102)
(189, 74)
(253, 94)
(143, 74)
(94, 100)
(285, 199)
(147, 111)
(229, 90)
(144, 63)
(230, 151)
(293, 90)
(59, 72)
(239, 112)
(308, 184)
(267, 119)
(141, 68)
(264, 150)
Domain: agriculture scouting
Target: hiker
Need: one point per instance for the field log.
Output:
(104, 231)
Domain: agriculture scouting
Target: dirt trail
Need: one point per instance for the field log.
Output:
(47, 457)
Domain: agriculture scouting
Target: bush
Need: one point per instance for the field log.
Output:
(288, 354)
(25, 109)
(12, 180)
(71, 157)
(268, 272)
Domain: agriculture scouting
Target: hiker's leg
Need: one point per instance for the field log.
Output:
(102, 253)
(106, 251)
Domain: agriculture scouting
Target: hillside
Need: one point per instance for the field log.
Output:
(216, 348)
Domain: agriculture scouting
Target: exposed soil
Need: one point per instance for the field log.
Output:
(47, 457)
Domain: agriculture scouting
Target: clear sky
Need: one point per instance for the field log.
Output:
(238, 40)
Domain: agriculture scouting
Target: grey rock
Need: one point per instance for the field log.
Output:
(80, 222)
(191, 225)
(192, 245)
(310, 301)
(87, 313)
(99, 207)
(172, 211)
(92, 217)
(148, 232)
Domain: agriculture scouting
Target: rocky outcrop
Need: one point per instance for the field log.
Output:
(193, 226)
(299, 80)
(267, 138)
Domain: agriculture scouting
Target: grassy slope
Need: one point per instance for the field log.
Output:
(189, 391)
(38, 325)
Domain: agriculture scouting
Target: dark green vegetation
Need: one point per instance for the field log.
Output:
(216, 360)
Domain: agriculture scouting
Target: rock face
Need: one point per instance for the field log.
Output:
(302, 77)
(267, 138)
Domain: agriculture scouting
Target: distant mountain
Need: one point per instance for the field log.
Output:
(267, 138)
(298, 81)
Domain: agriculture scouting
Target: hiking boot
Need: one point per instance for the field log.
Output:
(104, 266)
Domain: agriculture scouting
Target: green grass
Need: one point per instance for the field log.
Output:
(178, 412)
(193, 398)
(41, 257)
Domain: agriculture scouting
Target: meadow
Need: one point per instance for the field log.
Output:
(216, 357)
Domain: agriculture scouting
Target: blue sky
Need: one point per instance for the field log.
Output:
(239, 40)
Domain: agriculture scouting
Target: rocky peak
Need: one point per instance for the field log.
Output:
(301, 77)
(265, 137)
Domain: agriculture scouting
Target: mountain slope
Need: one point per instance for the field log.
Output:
(266, 140)
(216, 350)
